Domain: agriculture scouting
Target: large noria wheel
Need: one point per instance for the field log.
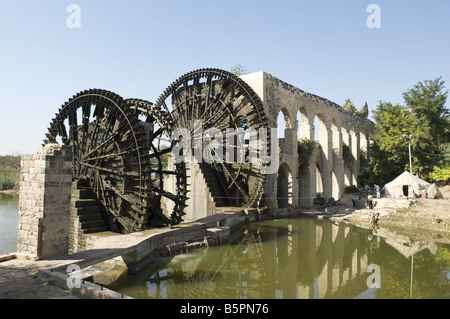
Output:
(215, 99)
(111, 151)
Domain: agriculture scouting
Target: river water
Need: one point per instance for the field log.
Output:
(299, 258)
(9, 218)
(285, 259)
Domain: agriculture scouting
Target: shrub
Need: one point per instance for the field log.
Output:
(351, 189)
(305, 148)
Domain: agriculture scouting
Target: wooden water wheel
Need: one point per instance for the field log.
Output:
(113, 150)
(208, 99)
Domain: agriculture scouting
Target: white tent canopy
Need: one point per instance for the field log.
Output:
(434, 192)
(401, 186)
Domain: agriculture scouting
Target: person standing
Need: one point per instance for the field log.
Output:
(370, 201)
(355, 200)
(377, 190)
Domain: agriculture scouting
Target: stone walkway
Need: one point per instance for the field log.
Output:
(20, 279)
(26, 279)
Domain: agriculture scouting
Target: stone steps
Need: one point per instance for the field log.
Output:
(213, 186)
(87, 208)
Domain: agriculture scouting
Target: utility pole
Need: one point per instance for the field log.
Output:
(409, 138)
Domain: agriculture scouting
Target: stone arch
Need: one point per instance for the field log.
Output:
(284, 186)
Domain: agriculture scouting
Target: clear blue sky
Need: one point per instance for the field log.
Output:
(138, 48)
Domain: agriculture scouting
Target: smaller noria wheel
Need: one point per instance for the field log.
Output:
(109, 151)
(155, 123)
(216, 99)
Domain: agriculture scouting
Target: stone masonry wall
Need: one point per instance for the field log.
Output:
(337, 127)
(44, 202)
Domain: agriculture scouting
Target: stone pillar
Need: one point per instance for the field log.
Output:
(44, 203)
(327, 165)
(338, 165)
(357, 163)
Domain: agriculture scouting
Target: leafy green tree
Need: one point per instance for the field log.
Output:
(392, 122)
(389, 151)
(238, 70)
(441, 175)
(364, 110)
(430, 123)
(426, 118)
(349, 106)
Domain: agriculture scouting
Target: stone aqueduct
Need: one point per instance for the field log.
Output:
(343, 138)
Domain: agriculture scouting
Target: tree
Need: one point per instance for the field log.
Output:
(441, 175)
(349, 106)
(389, 150)
(430, 122)
(426, 118)
(364, 110)
(238, 70)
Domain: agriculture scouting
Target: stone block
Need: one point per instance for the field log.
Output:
(41, 198)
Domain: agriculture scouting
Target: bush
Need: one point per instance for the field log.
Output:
(305, 148)
(9, 181)
(441, 175)
(9, 172)
(351, 189)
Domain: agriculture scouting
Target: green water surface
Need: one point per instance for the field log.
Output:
(299, 258)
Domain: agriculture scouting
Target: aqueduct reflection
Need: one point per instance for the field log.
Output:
(299, 258)
(276, 259)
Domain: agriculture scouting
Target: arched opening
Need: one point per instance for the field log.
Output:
(284, 187)
(283, 122)
(317, 127)
(320, 132)
(299, 125)
(304, 131)
(354, 142)
(336, 143)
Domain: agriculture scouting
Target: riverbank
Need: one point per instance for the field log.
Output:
(424, 219)
(10, 192)
(418, 219)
